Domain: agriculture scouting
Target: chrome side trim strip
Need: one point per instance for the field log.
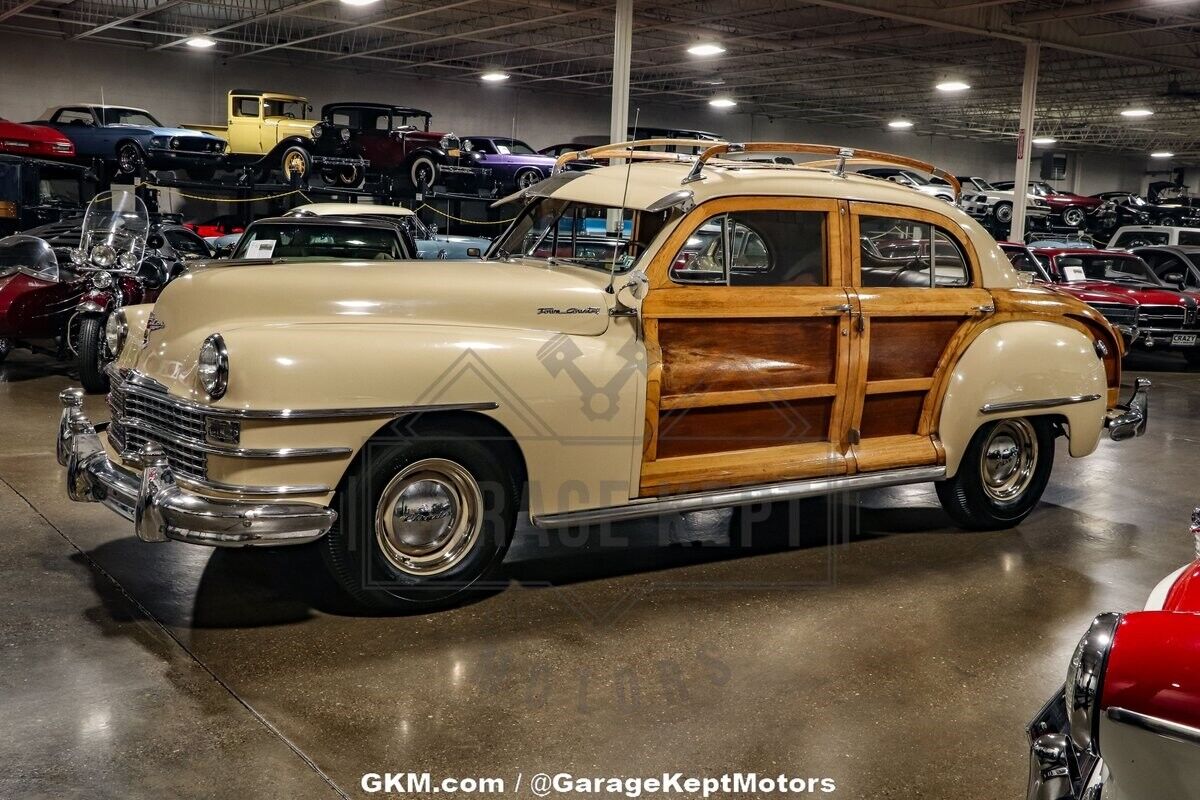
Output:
(1028, 405)
(242, 490)
(233, 452)
(768, 493)
(1162, 727)
(160, 393)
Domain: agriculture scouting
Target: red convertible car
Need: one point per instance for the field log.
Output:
(33, 140)
(1126, 725)
(1166, 317)
(1071, 208)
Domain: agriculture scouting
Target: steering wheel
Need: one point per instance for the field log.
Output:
(918, 264)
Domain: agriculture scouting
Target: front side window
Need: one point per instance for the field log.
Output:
(245, 107)
(319, 243)
(756, 248)
(910, 253)
(596, 237)
(1024, 262)
(1189, 238)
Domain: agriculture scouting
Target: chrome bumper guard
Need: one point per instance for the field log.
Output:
(1057, 770)
(159, 509)
(1129, 419)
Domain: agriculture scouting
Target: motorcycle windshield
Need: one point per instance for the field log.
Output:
(30, 255)
(115, 230)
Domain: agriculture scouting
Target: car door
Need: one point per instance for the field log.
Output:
(80, 125)
(747, 334)
(244, 124)
(914, 288)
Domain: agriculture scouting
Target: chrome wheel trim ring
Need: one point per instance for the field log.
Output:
(293, 164)
(1008, 460)
(429, 517)
(527, 179)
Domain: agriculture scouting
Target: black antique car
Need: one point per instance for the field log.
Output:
(60, 283)
(34, 191)
(1132, 209)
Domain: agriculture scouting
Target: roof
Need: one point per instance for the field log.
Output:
(407, 111)
(260, 92)
(351, 210)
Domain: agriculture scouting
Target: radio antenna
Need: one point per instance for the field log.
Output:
(612, 272)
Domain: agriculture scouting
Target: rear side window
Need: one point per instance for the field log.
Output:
(756, 248)
(1189, 237)
(245, 106)
(910, 253)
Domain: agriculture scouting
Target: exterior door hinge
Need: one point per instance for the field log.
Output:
(855, 436)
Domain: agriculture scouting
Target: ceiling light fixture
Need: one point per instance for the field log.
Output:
(722, 102)
(494, 77)
(706, 49)
(201, 42)
(900, 124)
(1044, 140)
(359, 2)
(1137, 112)
(953, 86)
(1162, 154)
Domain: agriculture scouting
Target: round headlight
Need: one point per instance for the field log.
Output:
(175, 142)
(1085, 679)
(317, 130)
(213, 366)
(103, 255)
(128, 261)
(76, 255)
(444, 143)
(115, 331)
(345, 134)
(102, 279)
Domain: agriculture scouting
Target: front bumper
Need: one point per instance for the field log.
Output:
(1057, 769)
(1129, 419)
(165, 158)
(159, 509)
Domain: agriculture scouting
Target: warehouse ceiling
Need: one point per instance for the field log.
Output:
(860, 63)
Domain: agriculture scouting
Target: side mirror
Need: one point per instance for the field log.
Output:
(474, 252)
(633, 291)
(1173, 277)
(154, 241)
(225, 252)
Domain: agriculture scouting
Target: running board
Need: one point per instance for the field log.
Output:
(723, 498)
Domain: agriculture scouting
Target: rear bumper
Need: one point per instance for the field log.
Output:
(159, 509)
(1129, 419)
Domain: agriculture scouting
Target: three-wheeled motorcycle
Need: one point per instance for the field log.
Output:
(59, 300)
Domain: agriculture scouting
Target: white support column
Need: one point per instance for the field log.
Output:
(1024, 140)
(622, 52)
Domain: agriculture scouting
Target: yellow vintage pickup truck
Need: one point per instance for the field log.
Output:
(270, 132)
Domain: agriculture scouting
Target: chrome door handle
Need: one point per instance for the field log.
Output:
(989, 309)
(844, 308)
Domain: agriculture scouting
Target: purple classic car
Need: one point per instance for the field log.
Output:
(514, 164)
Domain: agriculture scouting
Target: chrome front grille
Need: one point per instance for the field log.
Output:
(139, 417)
(1162, 317)
(1117, 314)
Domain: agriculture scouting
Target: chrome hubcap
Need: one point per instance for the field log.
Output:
(429, 517)
(294, 164)
(1008, 460)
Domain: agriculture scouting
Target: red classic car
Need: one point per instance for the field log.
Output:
(1117, 307)
(1126, 725)
(34, 140)
(1071, 208)
(1166, 317)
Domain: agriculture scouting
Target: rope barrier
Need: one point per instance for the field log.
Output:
(230, 199)
(465, 221)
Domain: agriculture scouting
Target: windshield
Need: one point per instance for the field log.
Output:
(562, 231)
(30, 255)
(1122, 269)
(292, 109)
(129, 116)
(314, 242)
(982, 185)
(115, 229)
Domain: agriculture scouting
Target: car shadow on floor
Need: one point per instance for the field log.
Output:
(279, 586)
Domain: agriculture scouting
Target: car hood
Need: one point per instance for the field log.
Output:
(469, 241)
(222, 296)
(162, 131)
(1095, 293)
(1150, 295)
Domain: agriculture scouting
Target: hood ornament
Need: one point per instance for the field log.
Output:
(153, 324)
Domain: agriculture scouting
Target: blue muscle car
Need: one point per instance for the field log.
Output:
(130, 140)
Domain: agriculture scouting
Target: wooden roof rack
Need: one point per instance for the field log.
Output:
(629, 150)
(842, 155)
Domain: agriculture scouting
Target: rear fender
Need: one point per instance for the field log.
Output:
(1032, 361)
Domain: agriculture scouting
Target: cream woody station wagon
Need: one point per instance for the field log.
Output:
(664, 335)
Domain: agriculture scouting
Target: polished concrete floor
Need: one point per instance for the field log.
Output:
(878, 646)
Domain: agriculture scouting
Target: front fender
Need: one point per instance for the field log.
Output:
(135, 318)
(1025, 361)
(574, 404)
(96, 301)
